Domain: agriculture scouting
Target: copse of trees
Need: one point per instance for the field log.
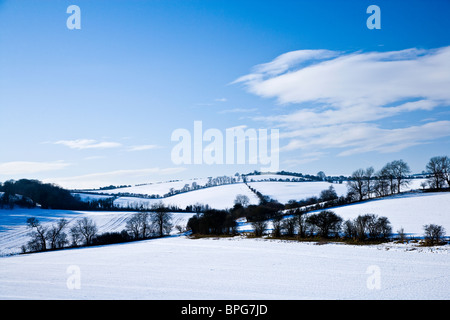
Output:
(144, 225)
(84, 231)
(439, 172)
(434, 234)
(212, 222)
(327, 223)
(48, 196)
(365, 183)
(367, 227)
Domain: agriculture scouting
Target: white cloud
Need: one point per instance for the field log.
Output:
(143, 147)
(238, 110)
(340, 99)
(81, 144)
(29, 167)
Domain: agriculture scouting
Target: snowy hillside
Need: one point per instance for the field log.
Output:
(14, 232)
(285, 191)
(157, 188)
(236, 268)
(410, 211)
(276, 186)
(220, 197)
(177, 267)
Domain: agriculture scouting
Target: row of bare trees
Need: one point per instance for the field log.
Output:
(438, 169)
(366, 183)
(84, 231)
(389, 180)
(327, 224)
(143, 225)
(44, 237)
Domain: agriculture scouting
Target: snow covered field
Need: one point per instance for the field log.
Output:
(232, 268)
(14, 232)
(410, 211)
(223, 196)
(157, 188)
(235, 268)
(219, 197)
(285, 191)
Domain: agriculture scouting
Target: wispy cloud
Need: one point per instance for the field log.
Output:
(340, 99)
(81, 144)
(238, 110)
(30, 167)
(143, 147)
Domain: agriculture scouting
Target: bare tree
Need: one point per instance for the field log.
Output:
(132, 226)
(368, 225)
(242, 199)
(39, 239)
(56, 235)
(438, 168)
(76, 236)
(433, 234)
(349, 229)
(276, 225)
(288, 226)
(356, 184)
(328, 194)
(381, 186)
(401, 234)
(327, 222)
(139, 226)
(360, 224)
(446, 169)
(87, 228)
(259, 226)
(369, 175)
(162, 222)
(401, 171)
(321, 175)
(387, 173)
(302, 225)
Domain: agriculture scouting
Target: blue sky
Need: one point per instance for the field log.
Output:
(96, 106)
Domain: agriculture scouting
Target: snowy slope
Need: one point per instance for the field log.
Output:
(410, 211)
(14, 232)
(285, 191)
(157, 188)
(180, 268)
(223, 196)
(219, 197)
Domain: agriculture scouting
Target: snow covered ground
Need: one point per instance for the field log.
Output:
(234, 268)
(219, 197)
(410, 210)
(285, 191)
(157, 188)
(14, 232)
(223, 196)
